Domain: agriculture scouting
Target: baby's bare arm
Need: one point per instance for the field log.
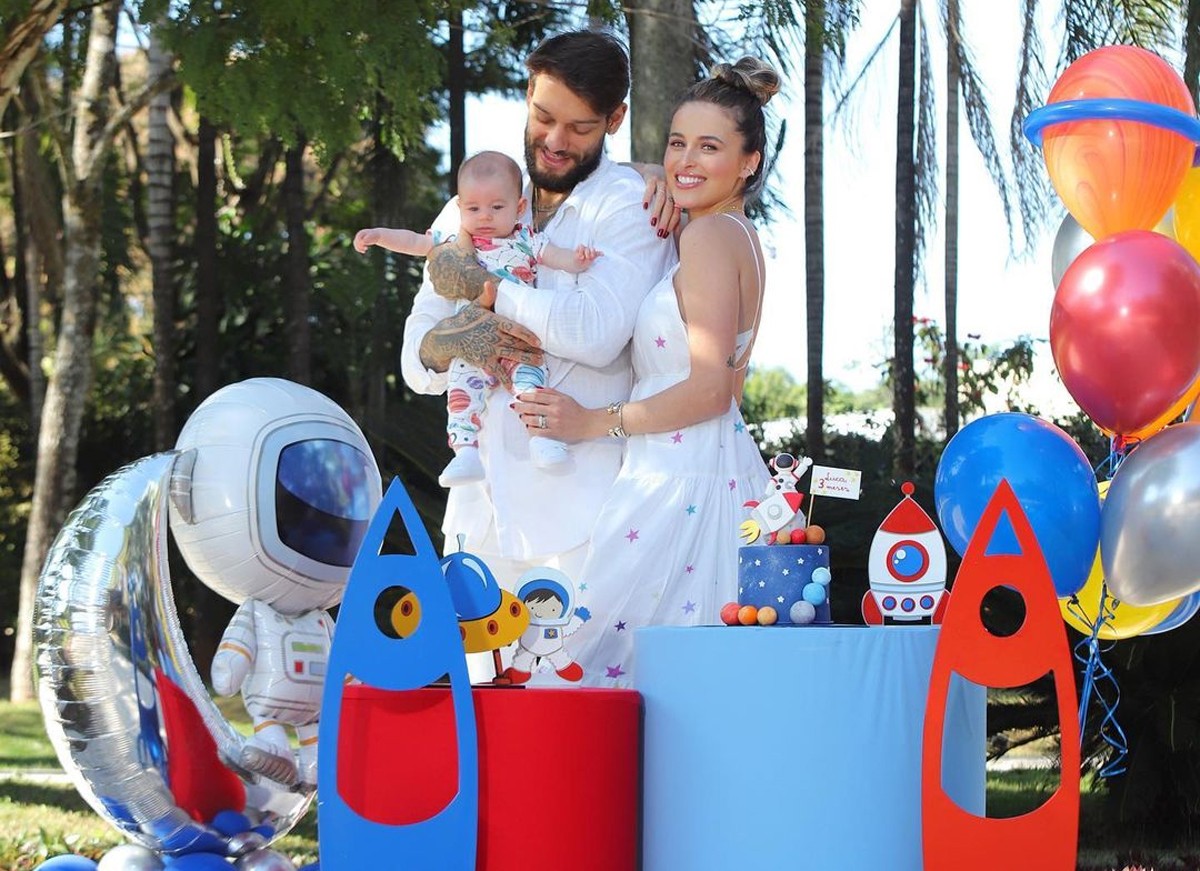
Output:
(568, 260)
(394, 239)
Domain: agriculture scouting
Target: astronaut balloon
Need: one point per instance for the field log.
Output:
(268, 494)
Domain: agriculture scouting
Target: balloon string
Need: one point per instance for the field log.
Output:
(1099, 681)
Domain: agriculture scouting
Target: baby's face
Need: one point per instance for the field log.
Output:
(490, 207)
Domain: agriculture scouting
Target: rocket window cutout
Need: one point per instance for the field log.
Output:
(397, 632)
(954, 838)
(906, 568)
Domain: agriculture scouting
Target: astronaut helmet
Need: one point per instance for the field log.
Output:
(542, 583)
(271, 494)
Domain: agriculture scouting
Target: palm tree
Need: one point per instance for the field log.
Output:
(160, 215)
(903, 386)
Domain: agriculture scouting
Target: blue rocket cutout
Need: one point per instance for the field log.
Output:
(407, 655)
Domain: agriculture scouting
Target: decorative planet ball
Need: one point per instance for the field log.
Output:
(747, 615)
(822, 575)
(729, 613)
(767, 616)
(814, 534)
(815, 594)
(802, 612)
(797, 537)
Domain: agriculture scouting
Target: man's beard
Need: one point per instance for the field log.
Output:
(565, 183)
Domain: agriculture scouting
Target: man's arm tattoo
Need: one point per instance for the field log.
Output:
(471, 334)
(455, 273)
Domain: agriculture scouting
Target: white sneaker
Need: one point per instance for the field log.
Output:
(465, 468)
(548, 453)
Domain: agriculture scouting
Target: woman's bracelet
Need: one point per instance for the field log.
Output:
(618, 431)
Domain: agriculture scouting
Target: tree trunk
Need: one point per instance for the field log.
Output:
(814, 222)
(456, 88)
(1191, 49)
(23, 43)
(296, 267)
(903, 388)
(953, 73)
(208, 296)
(663, 58)
(160, 219)
(67, 389)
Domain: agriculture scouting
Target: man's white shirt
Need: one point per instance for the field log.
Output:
(585, 322)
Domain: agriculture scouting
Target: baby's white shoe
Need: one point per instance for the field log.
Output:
(465, 468)
(547, 453)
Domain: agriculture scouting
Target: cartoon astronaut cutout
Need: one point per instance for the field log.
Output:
(549, 595)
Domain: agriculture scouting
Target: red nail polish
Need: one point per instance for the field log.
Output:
(653, 221)
(645, 205)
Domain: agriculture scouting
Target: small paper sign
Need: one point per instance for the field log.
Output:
(838, 483)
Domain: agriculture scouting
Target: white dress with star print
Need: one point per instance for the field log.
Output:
(665, 549)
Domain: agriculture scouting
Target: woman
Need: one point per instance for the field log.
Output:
(665, 549)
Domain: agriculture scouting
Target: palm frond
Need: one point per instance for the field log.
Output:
(926, 165)
(1034, 195)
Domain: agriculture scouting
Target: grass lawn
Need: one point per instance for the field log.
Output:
(39, 820)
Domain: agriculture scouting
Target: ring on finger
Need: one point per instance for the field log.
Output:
(541, 421)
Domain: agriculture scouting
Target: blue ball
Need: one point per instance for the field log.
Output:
(230, 822)
(1052, 479)
(68, 862)
(821, 575)
(815, 594)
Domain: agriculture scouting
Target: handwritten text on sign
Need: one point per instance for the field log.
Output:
(839, 483)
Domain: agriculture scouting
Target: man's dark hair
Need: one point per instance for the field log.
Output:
(592, 63)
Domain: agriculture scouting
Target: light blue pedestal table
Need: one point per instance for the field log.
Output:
(776, 748)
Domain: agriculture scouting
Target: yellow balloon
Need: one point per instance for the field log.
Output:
(1127, 620)
(1187, 212)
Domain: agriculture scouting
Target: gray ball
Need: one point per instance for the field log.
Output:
(130, 857)
(802, 612)
(263, 859)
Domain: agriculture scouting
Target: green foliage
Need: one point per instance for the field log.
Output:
(292, 67)
(772, 394)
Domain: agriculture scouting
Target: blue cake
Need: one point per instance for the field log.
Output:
(778, 575)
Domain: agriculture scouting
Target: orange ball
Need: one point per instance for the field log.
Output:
(1116, 175)
(814, 534)
(747, 615)
(767, 615)
(729, 613)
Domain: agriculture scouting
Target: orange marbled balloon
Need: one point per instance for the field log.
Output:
(1118, 175)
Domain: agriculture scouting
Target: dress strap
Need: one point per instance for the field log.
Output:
(745, 361)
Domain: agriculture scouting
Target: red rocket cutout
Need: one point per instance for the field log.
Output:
(954, 838)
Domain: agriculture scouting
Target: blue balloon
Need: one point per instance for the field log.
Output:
(1184, 611)
(68, 862)
(1049, 474)
(230, 822)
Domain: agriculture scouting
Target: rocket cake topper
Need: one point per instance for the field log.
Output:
(906, 568)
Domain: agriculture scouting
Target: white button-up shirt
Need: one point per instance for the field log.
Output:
(585, 322)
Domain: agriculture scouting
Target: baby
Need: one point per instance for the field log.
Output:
(490, 202)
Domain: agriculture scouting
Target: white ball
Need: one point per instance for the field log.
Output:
(130, 857)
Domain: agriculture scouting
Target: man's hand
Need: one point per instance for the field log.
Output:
(482, 338)
(454, 269)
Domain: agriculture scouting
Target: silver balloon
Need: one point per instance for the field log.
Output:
(244, 842)
(1150, 523)
(108, 643)
(264, 860)
(130, 857)
(1071, 240)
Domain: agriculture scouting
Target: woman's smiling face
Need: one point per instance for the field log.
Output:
(705, 163)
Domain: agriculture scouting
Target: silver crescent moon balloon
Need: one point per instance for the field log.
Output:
(109, 648)
(1150, 523)
(1071, 240)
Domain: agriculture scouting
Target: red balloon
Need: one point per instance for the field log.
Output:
(1125, 332)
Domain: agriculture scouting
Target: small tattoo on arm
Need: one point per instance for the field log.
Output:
(730, 362)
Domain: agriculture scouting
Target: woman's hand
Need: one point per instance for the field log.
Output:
(664, 214)
(547, 412)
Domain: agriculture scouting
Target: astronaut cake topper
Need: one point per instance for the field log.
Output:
(777, 517)
(906, 568)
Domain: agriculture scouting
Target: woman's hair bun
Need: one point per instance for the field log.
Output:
(750, 74)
